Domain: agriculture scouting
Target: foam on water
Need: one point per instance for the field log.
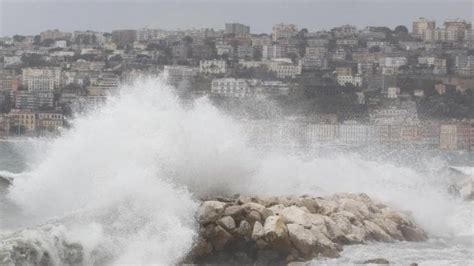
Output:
(129, 174)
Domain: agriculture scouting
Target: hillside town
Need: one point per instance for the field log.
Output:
(345, 85)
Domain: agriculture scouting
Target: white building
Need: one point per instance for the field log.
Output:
(353, 133)
(230, 87)
(448, 137)
(213, 66)
(274, 51)
(393, 61)
(225, 49)
(285, 69)
(41, 79)
(393, 92)
(285, 31)
(354, 80)
(178, 73)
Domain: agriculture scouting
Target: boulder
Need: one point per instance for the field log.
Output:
(377, 261)
(221, 238)
(374, 232)
(311, 242)
(210, 211)
(254, 216)
(245, 229)
(310, 204)
(414, 234)
(294, 214)
(227, 223)
(276, 234)
(258, 231)
(251, 206)
(235, 211)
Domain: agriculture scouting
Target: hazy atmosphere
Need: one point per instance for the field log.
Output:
(239, 132)
(29, 17)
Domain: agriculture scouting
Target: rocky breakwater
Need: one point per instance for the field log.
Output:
(279, 230)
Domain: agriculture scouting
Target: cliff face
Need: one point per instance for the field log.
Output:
(279, 230)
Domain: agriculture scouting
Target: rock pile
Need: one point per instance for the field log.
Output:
(278, 230)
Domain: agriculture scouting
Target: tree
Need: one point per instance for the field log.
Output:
(188, 40)
(302, 33)
(47, 42)
(400, 29)
(19, 38)
(374, 49)
(37, 40)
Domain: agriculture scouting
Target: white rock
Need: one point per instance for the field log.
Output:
(374, 232)
(227, 223)
(209, 211)
(275, 228)
(276, 234)
(310, 242)
(264, 212)
(296, 215)
(257, 232)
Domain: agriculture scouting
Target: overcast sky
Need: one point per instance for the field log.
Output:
(32, 17)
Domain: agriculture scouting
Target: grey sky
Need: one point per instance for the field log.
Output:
(32, 17)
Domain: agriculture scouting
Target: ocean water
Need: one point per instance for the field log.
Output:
(124, 182)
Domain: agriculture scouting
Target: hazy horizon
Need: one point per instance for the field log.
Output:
(313, 15)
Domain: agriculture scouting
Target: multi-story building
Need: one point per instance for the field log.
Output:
(353, 133)
(225, 49)
(274, 51)
(181, 51)
(347, 42)
(49, 123)
(285, 69)
(124, 37)
(8, 80)
(397, 114)
(22, 121)
(178, 73)
(202, 51)
(344, 31)
(456, 29)
(41, 79)
(88, 38)
(33, 100)
(436, 35)
(284, 31)
(317, 42)
(236, 29)
(354, 80)
(464, 65)
(321, 133)
(463, 131)
(245, 51)
(421, 25)
(309, 62)
(448, 137)
(54, 35)
(344, 71)
(4, 125)
(261, 40)
(230, 87)
(389, 61)
(213, 66)
(316, 51)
